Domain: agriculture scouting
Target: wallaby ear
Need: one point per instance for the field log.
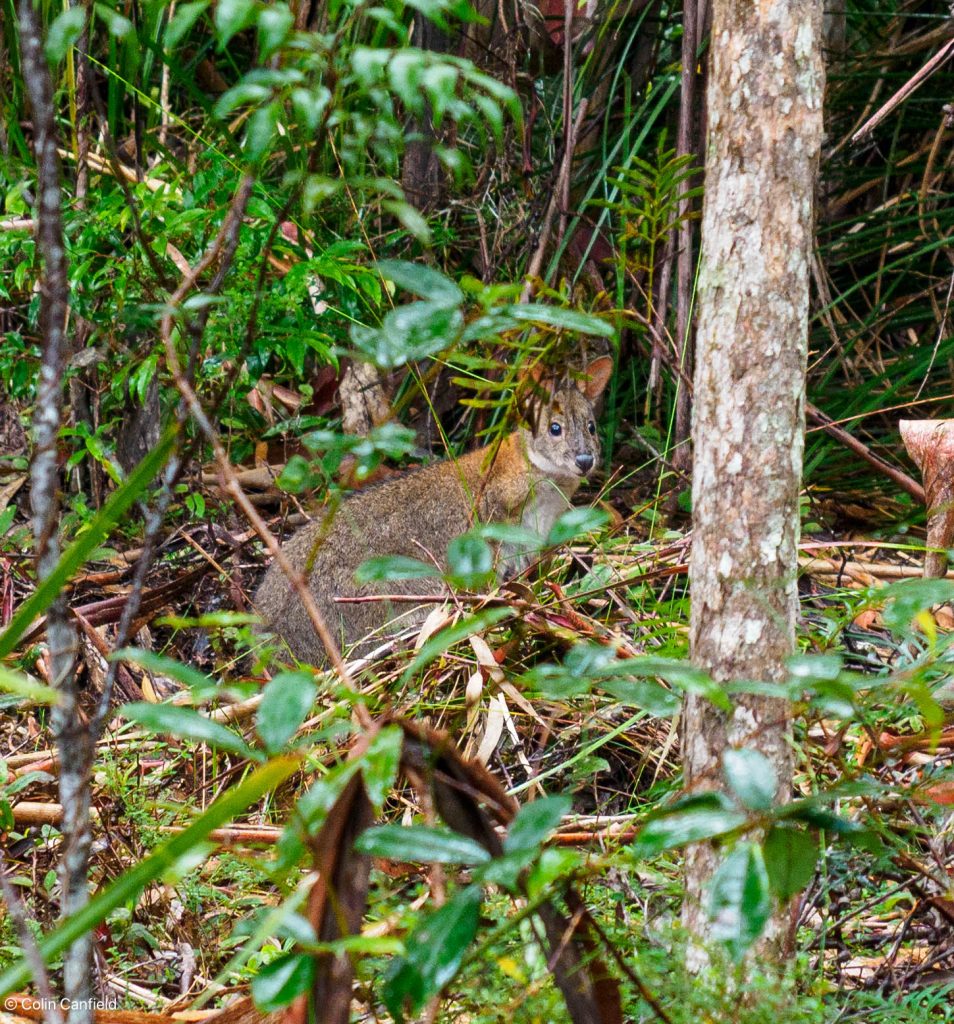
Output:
(596, 376)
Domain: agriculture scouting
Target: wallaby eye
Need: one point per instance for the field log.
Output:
(555, 429)
(591, 427)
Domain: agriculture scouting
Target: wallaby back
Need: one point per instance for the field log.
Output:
(528, 480)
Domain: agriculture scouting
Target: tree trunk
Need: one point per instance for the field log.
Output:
(765, 128)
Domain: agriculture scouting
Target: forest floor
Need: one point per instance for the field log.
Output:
(872, 932)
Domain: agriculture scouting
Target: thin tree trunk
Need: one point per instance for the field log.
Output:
(765, 129)
(69, 726)
(686, 143)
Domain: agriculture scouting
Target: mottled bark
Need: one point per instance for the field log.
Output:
(765, 91)
(72, 738)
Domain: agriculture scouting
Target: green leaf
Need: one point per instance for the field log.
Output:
(419, 844)
(297, 475)
(909, 598)
(819, 817)
(790, 857)
(574, 523)
(739, 901)
(690, 820)
(751, 776)
(568, 319)
(404, 75)
(470, 562)
(435, 950)
(188, 724)
(439, 82)
(379, 764)
(116, 24)
(553, 682)
(232, 16)
(262, 130)
(423, 281)
(185, 17)
(394, 567)
(200, 685)
(506, 533)
(411, 219)
(535, 822)
(309, 106)
(409, 333)
(67, 27)
(126, 889)
(286, 701)
(282, 980)
(647, 694)
(22, 685)
(813, 668)
(274, 23)
(118, 503)
(321, 796)
(686, 676)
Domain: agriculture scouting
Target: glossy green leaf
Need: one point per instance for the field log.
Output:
(690, 820)
(262, 130)
(185, 17)
(115, 23)
(275, 22)
(683, 674)
(470, 562)
(200, 685)
(286, 700)
(790, 857)
(739, 900)
(67, 27)
(575, 523)
(907, 599)
(567, 319)
(394, 567)
(411, 218)
(643, 693)
(420, 280)
(282, 980)
(379, 764)
(187, 724)
(435, 950)
(232, 16)
(419, 844)
(751, 776)
(409, 333)
(21, 685)
(535, 822)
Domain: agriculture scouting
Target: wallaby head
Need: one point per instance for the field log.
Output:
(560, 435)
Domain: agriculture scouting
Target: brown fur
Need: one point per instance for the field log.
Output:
(530, 480)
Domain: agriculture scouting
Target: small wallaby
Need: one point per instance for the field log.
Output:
(529, 480)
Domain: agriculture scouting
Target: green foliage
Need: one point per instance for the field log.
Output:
(326, 247)
(435, 950)
(287, 699)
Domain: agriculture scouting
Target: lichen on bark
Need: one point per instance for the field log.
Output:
(765, 129)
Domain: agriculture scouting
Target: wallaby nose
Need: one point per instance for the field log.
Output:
(585, 462)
